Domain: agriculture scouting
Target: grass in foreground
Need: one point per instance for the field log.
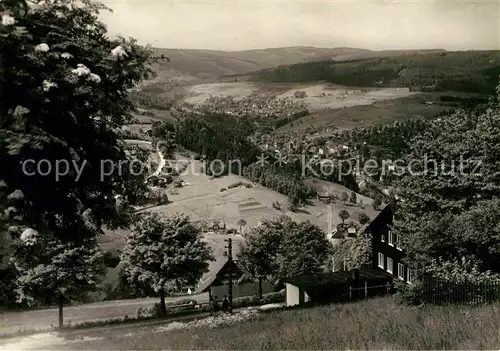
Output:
(374, 324)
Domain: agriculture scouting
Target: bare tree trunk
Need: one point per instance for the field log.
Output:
(260, 288)
(163, 307)
(61, 303)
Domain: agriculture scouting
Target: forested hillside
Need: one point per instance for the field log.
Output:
(468, 71)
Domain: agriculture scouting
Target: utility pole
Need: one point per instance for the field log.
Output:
(229, 248)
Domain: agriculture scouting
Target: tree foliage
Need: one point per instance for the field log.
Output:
(280, 248)
(355, 252)
(164, 256)
(343, 214)
(363, 218)
(49, 270)
(450, 208)
(459, 71)
(64, 92)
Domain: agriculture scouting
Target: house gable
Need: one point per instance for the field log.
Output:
(386, 252)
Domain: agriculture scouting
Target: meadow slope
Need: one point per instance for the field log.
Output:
(376, 324)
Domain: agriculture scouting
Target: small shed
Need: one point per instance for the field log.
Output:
(299, 94)
(337, 286)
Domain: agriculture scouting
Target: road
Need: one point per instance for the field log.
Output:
(44, 319)
(140, 335)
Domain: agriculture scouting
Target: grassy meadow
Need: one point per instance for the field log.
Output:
(379, 323)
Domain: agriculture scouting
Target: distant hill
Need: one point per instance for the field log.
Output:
(469, 71)
(189, 64)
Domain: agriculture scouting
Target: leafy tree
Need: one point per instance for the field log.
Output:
(293, 203)
(64, 96)
(241, 222)
(353, 199)
(281, 248)
(363, 218)
(343, 214)
(164, 136)
(163, 256)
(49, 270)
(377, 202)
(448, 208)
(306, 250)
(355, 253)
(258, 256)
(344, 197)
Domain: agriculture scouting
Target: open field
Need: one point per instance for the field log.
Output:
(318, 96)
(377, 324)
(323, 96)
(379, 112)
(202, 199)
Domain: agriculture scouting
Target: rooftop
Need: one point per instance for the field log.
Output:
(333, 278)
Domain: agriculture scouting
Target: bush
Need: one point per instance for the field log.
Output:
(409, 294)
(237, 184)
(255, 301)
(111, 258)
(182, 302)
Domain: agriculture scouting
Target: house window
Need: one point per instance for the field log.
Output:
(381, 260)
(389, 265)
(397, 243)
(382, 238)
(401, 271)
(391, 239)
(409, 277)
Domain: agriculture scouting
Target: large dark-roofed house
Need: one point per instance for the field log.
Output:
(386, 265)
(387, 253)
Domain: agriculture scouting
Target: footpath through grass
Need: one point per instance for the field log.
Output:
(374, 324)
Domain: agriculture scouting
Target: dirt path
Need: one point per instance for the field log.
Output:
(42, 320)
(103, 337)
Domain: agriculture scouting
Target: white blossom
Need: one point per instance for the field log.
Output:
(29, 237)
(95, 78)
(20, 110)
(81, 70)
(47, 85)
(42, 47)
(66, 55)
(119, 51)
(8, 20)
(16, 195)
(59, 14)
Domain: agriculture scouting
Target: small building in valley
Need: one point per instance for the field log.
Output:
(299, 94)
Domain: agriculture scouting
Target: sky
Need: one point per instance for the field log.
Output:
(242, 25)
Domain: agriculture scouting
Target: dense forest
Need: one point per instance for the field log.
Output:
(465, 71)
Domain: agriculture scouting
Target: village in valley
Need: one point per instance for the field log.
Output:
(285, 198)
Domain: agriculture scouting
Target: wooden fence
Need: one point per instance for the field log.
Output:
(242, 290)
(345, 292)
(439, 291)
